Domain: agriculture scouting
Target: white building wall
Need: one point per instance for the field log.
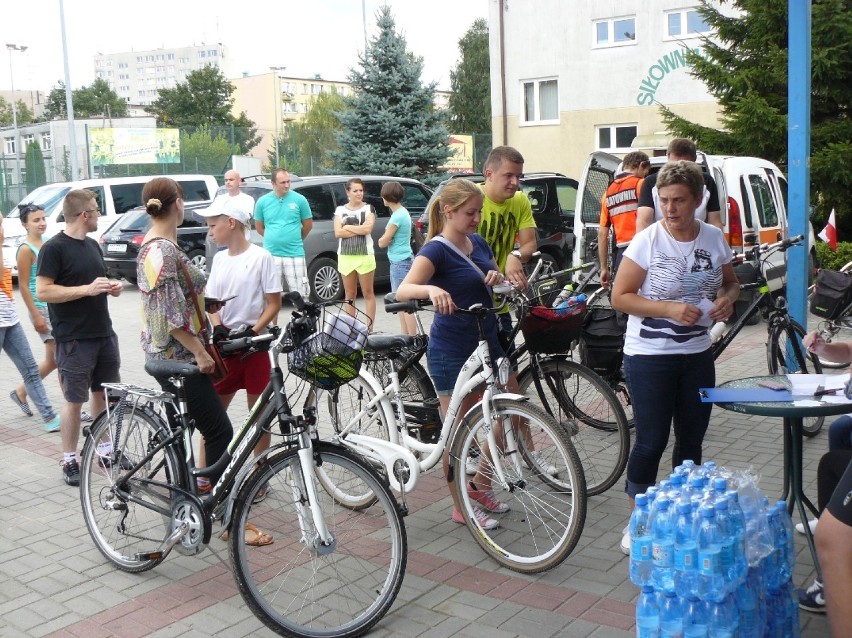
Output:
(597, 85)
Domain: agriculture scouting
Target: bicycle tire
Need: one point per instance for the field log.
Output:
(588, 410)
(544, 522)
(123, 529)
(293, 587)
(784, 336)
(419, 397)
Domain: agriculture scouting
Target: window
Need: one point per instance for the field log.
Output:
(685, 23)
(46, 142)
(9, 146)
(415, 199)
(616, 137)
(766, 210)
(26, 140)
(540, 101)
(316, 89)
(212, 53)
(202, 54)
(321, 201)
(615, 32)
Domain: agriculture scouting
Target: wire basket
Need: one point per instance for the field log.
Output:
(333, 355)
(547, 331)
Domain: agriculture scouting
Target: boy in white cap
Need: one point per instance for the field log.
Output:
(248, 274)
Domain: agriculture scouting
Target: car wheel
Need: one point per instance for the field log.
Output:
(324, 280)
(198, 259)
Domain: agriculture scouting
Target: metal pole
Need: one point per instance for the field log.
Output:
(798, 144)
(69, 100)
(15, 47)
(276, 91)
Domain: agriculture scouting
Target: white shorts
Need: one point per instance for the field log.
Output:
(294, 274)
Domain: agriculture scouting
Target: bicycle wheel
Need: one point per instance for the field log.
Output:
(298, 587)
(120, 528)
(786, 355)
(546, 515)
(418, 394)
(589, 412)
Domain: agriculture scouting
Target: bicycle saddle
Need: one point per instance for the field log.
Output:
(384, 343)
(170, 368)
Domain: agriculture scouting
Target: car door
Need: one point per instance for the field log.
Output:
(598, 173)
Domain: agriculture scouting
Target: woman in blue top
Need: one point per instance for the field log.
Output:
(442, 275)
(397, 239)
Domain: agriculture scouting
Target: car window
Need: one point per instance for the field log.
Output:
(191, 219)
(415, 198)
(597, 181)
(194, 190)
(566, 194)
(134, 220)
(321, 201)
(537, 194)
(746, 204)
(373, 196)
(766, 209)
(48, 197)
(255, 191)
(126, 196)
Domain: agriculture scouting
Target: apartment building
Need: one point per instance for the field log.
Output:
(138, 76)
(569, 78)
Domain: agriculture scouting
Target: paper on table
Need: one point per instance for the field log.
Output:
(807, 384)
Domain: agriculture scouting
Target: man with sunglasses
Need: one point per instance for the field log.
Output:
(71, 278)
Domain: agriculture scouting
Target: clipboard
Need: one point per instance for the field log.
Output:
(744, 395)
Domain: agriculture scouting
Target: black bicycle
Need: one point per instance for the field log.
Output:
(332, 570)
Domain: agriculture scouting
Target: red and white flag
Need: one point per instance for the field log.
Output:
(829, 233)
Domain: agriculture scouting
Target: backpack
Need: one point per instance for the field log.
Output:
(602, 340)
(832, 294)
(417, 239)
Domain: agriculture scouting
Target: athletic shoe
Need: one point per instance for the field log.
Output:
(813, 598)
(52, 425)
(485, 521)
(487, 499)
(85, 417)
(106, 461)
(25, 407)
(542, 464)
(800, 527)
(71, 473)
(625, 540)
(471, 463)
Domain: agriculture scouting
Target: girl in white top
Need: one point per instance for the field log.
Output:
(353, 225)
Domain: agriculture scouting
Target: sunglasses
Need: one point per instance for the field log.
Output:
(30, 208)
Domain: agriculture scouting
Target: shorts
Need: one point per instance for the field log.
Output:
(294, 275)
(246, 373)
(362, 264)
(840, 504)
(45, 336)
(445, 367)
(398, 271)
(85, 364)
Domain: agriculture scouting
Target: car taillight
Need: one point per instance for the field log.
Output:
(735, 224)
(137, 240)
(419, 224)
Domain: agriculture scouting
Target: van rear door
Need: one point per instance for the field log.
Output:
(598, 173)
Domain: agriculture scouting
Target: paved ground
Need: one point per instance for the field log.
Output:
(53, 582)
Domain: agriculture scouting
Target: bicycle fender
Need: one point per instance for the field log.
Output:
(387, 454)
(511, 396)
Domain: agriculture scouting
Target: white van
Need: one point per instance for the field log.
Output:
(752, 193)
(115, 195)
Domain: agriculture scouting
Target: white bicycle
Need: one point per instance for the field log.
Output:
(529, 459)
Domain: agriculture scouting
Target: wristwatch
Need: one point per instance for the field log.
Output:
(517, 253)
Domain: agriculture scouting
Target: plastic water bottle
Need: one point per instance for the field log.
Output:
(726, 545)
(647, 614)
(748, 604)
(710, 582)
(778, 567)
(563, 295)
(671, 615)
(641, 559)
(565, 307)
(717, 331)
(787, 524)
(738, 528)
(685, 552)
(724, 619)
(696, 618)
(662, 544)
(791, 599)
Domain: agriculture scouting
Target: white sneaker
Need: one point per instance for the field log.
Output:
(485, 521)
(625, 541)
(471, 464)
(543, 464)
(800, 527)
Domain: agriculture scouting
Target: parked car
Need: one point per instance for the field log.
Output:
(553, 197)
(753, 196)
(324, 194)
(115, 196)
(120, 243)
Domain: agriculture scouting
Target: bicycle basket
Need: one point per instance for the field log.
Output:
(549, 332)
(832, 295)
(332, 356)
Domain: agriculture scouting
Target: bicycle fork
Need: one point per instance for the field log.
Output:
(315, 532)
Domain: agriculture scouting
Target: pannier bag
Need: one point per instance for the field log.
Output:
(549, 331)
(602, 340)
(832, 295)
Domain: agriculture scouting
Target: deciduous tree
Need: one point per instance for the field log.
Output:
(25, 114)
(470, 83)
(97, 100)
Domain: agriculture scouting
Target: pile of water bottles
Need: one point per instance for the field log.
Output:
(713, 558)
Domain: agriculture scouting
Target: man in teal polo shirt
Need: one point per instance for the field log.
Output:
(283, 218)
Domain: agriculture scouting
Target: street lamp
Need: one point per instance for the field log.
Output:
(276, 90)
(15, 47)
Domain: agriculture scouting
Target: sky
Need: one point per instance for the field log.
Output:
(307, 37)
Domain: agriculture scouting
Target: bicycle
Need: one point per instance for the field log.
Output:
(785, 353)
(529, 459)
(831, 329)
(331, 570)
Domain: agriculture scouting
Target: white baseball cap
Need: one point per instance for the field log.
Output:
(232, 207)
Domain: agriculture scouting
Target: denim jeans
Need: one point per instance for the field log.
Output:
(398, 271)
(13, 340)
(840, 433)
(664, 391)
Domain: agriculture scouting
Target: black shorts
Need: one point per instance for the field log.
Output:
(84, 364)
(840, 504)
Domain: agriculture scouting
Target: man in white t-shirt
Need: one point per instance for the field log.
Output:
(246, 276)
(232, 188)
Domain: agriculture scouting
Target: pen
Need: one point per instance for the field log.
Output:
(822, 392)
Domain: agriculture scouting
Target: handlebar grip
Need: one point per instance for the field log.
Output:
(295, 298)
(227, 346)
(503, 289)
(792, 241)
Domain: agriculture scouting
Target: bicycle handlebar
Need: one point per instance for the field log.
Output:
(228, 346)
